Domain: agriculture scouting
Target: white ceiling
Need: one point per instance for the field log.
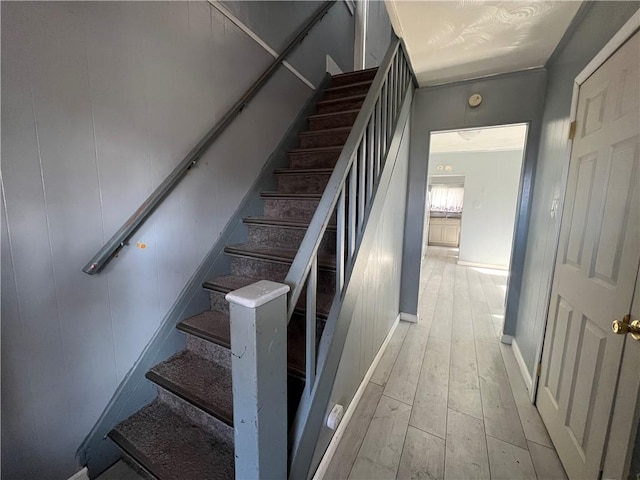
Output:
(510, 137)
(458, 40)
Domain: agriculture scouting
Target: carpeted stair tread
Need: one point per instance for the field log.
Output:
(324, 137)
(304, 196)
(228, 283)
(326, 261)
(209, 325)
(337, 101)
(295, 360)
(365, 84)
(331, 114)
(316, 157)
(283, 222)
(171, 448)
(353, 77)
(324, 131)
(205, 384)
(303, 171)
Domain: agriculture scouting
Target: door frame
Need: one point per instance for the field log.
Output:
(611, 469)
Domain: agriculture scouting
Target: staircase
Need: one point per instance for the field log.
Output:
(187, 431)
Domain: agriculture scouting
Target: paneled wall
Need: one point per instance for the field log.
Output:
(593, 29)
(277, 21)
(379, 32)
(379, 294)
(100, 100)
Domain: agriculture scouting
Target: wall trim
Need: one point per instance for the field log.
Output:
(333, 445)
(627, 30)
(351, 6)
(360, 37)
(254, 36)
(483, 265)
(408, 317)
(526, 376)
(80, 475)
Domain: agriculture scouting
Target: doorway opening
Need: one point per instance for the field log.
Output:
(473, 189)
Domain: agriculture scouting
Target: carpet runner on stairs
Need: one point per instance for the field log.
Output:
(187, 431)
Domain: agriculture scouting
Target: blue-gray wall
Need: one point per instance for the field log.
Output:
(276, 22)
(511, 98)
(379, 33)
(379, 293)
(100, 100)
(594, 26)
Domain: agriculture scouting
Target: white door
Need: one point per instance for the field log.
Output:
(596, 267)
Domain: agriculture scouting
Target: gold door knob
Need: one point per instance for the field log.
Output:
(626, 326)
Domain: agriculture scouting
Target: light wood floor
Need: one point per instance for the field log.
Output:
(447, 400)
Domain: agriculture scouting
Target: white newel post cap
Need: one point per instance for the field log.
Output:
(257, 294)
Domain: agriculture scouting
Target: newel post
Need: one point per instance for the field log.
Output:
(259, 373)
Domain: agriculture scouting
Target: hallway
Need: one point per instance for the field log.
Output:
(447, 399)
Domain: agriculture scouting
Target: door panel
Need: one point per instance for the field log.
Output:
(596, 271)
(584, 188)
(615, 217)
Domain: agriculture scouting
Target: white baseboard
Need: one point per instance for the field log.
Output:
(80, 475)
(408, 317)
(506, 339)
(333, 445)
(483, 265)
(526, 376)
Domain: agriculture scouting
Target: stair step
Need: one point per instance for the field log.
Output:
(350, 78)
(211, 351)
(210, 325)
(340, 104)
(283, 222)
(200, 382)
(295, 353)
(290, 205)
(169, 447)
(347, 90)
(227, 283)
(281, 255)
(330, 137)
(325, 157)
(270, 263)
(303, 180)
(321, 121)
(285, 234)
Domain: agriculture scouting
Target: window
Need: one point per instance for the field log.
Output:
(445, 198)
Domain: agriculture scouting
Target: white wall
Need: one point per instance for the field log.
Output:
(492, 181)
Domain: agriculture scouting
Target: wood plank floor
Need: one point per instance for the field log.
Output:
(447, 401)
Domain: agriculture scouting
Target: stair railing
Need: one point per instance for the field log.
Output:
(120, 238)
(350, 192)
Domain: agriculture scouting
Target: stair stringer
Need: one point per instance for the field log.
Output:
(96, 451)
(313, 408)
